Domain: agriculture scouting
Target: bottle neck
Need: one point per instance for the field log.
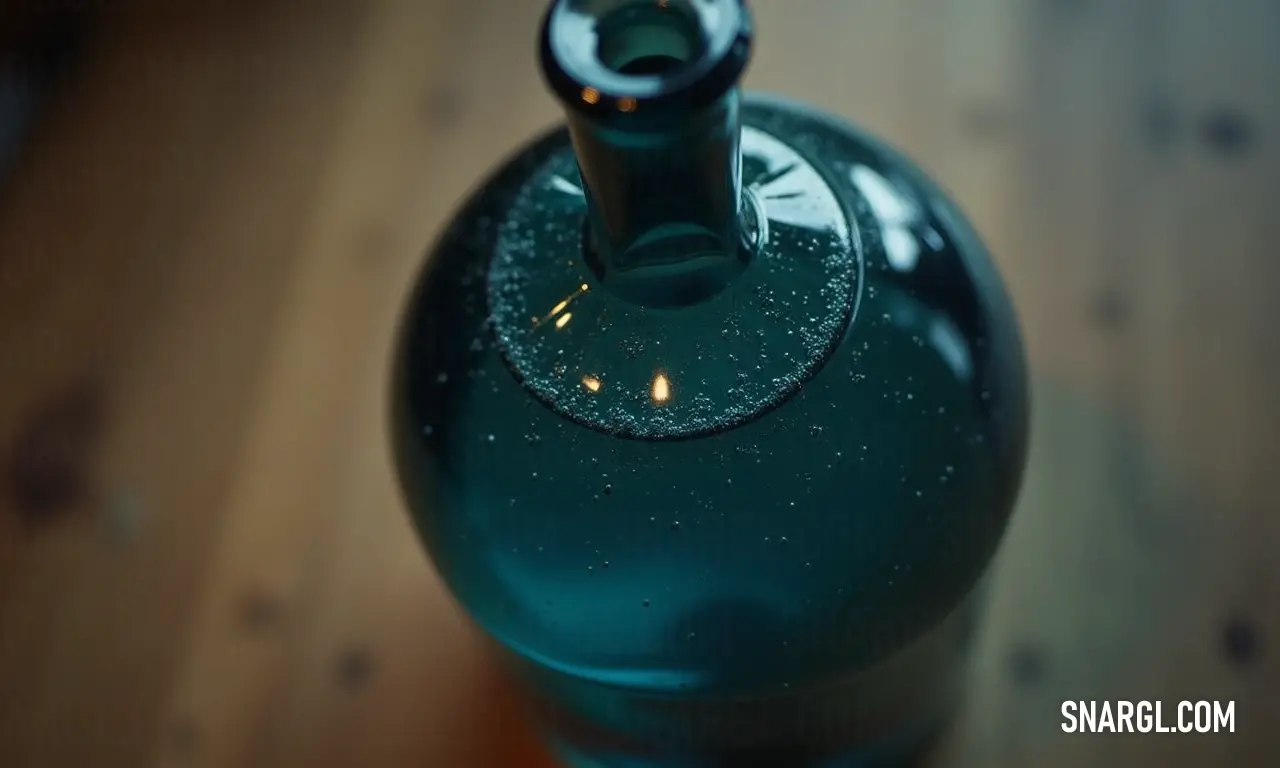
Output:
(664, 200)
(654, 111)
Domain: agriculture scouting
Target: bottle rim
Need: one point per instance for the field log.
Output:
(578, 74)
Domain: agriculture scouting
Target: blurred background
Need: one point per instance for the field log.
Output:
(210, 213)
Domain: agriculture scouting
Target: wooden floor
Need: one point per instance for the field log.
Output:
(203, 559)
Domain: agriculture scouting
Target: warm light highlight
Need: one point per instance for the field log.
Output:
(661, 390)
(561, 307)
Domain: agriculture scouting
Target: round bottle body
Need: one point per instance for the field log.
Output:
(788, 576)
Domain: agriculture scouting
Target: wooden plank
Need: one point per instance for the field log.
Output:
(368, 661)
(1111, 583)
(146, 242)
(836, 56)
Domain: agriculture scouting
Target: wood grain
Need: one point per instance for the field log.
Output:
(214, 235)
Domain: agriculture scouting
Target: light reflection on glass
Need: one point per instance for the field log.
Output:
(591, 383)
(786, 190)
(950, 345)
(562, 184)
(934, 239)
(897, 212)
(902, 249)
(661, 389)
(936, 329)
(561, 307)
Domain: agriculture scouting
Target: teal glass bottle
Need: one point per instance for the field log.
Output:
(711, 411)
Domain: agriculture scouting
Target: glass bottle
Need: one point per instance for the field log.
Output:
(711, 411)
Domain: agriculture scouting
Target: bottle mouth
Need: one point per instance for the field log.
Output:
(605, 57)
(650, 39)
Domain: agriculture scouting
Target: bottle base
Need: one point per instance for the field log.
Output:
(907, 749)
(889, 716)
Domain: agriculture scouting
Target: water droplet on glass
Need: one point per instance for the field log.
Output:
(442, 378)
(646, 603)
(608, 489)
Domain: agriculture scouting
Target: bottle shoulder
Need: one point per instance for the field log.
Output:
(853, 234)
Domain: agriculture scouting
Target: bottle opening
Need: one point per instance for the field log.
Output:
(647, 39)
(606, 58)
